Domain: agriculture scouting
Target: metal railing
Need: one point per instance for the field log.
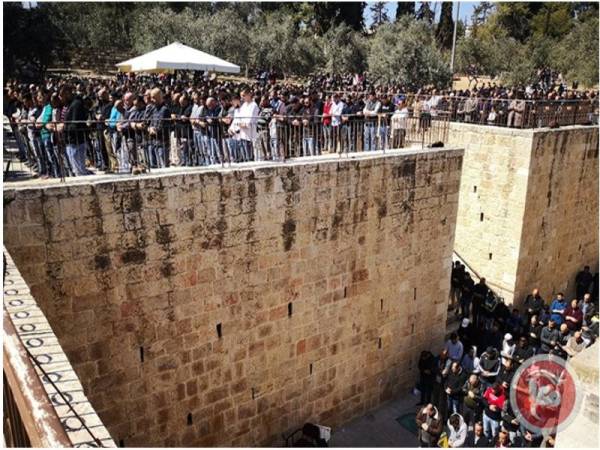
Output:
(136, 144)
(503, 112)
(29, 419)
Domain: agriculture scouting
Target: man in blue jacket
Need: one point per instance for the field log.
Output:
(557, 309)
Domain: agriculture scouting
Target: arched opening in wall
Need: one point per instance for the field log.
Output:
(121, 443)
(219, 331)
(481, 217)
(189, 419)
(474, 189)
(290, 309)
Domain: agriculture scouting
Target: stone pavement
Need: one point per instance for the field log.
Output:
(379, 428)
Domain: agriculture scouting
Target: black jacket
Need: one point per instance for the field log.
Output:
(75, 126)
(456, 381)
(483, 442)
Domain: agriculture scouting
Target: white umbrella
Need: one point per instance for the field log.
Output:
(177, 56)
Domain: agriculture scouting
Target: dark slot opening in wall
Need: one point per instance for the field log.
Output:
(310, 368)
(253, 393)
(345, 291)
(381, 304)
(219, 331)
(290, 309)
(121, 443)
(415, 294)
(412, 328)
(481, 217)
(141, 354)
(189, 418)
(379, 343)
(474, 188)
(490, 255)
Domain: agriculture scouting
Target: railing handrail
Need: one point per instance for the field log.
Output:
(461, 97)
(39, 417)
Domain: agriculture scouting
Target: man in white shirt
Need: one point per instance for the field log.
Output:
(248, 115)
(336, 120)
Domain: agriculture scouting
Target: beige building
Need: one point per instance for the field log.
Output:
(528, 208)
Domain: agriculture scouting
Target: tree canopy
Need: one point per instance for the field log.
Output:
(510, 40)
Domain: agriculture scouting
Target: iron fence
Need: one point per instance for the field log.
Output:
(503, 112)
(137, 144)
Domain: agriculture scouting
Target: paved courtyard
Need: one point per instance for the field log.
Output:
(379, 428)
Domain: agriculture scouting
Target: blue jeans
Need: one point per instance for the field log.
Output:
(347, 138)
(234, 149)
(327, 138)
(199, 158)
(490, 427)
(40, 155)
(246, 150)
(453, 405)
(383, 136)
(76, 155)
(369, 137)
(158, 155)
(308, 146)
(53, 165)
(212, 149)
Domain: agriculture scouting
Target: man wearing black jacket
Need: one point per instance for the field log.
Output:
(523, 350)
(158, 128)
(75, 129)
(453, 386)
(534, 303)
(476, 438)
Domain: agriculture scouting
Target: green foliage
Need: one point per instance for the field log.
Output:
(379, 14)
(577, 54)
(425, 13)
(405, 9)
(445, 28)
(344, 50)
(405, 52)
(30, 39)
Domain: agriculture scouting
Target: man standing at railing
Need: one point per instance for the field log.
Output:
(74, 128)
(370, 111)
(309, 115)
(101, 114)
(249, 113)
(199, 157)
(336, 121)
(515, 111)
(212, 112)
(158, 128)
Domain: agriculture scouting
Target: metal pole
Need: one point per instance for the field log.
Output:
(454, 38)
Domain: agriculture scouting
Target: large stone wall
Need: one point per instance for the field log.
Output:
(528, 208)
(325, 280)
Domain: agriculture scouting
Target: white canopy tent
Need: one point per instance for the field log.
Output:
(177, 56)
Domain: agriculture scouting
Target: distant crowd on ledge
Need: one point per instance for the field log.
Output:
(68, 126)
(465, 388)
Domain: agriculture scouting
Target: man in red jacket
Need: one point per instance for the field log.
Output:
(493, 400)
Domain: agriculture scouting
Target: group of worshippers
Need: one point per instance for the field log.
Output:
(465, 388)
(74, 126)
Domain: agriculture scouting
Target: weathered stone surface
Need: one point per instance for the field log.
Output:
(325, 281)
(528, 208)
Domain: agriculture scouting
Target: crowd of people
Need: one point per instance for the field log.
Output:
(129, 124)
(465, 388)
